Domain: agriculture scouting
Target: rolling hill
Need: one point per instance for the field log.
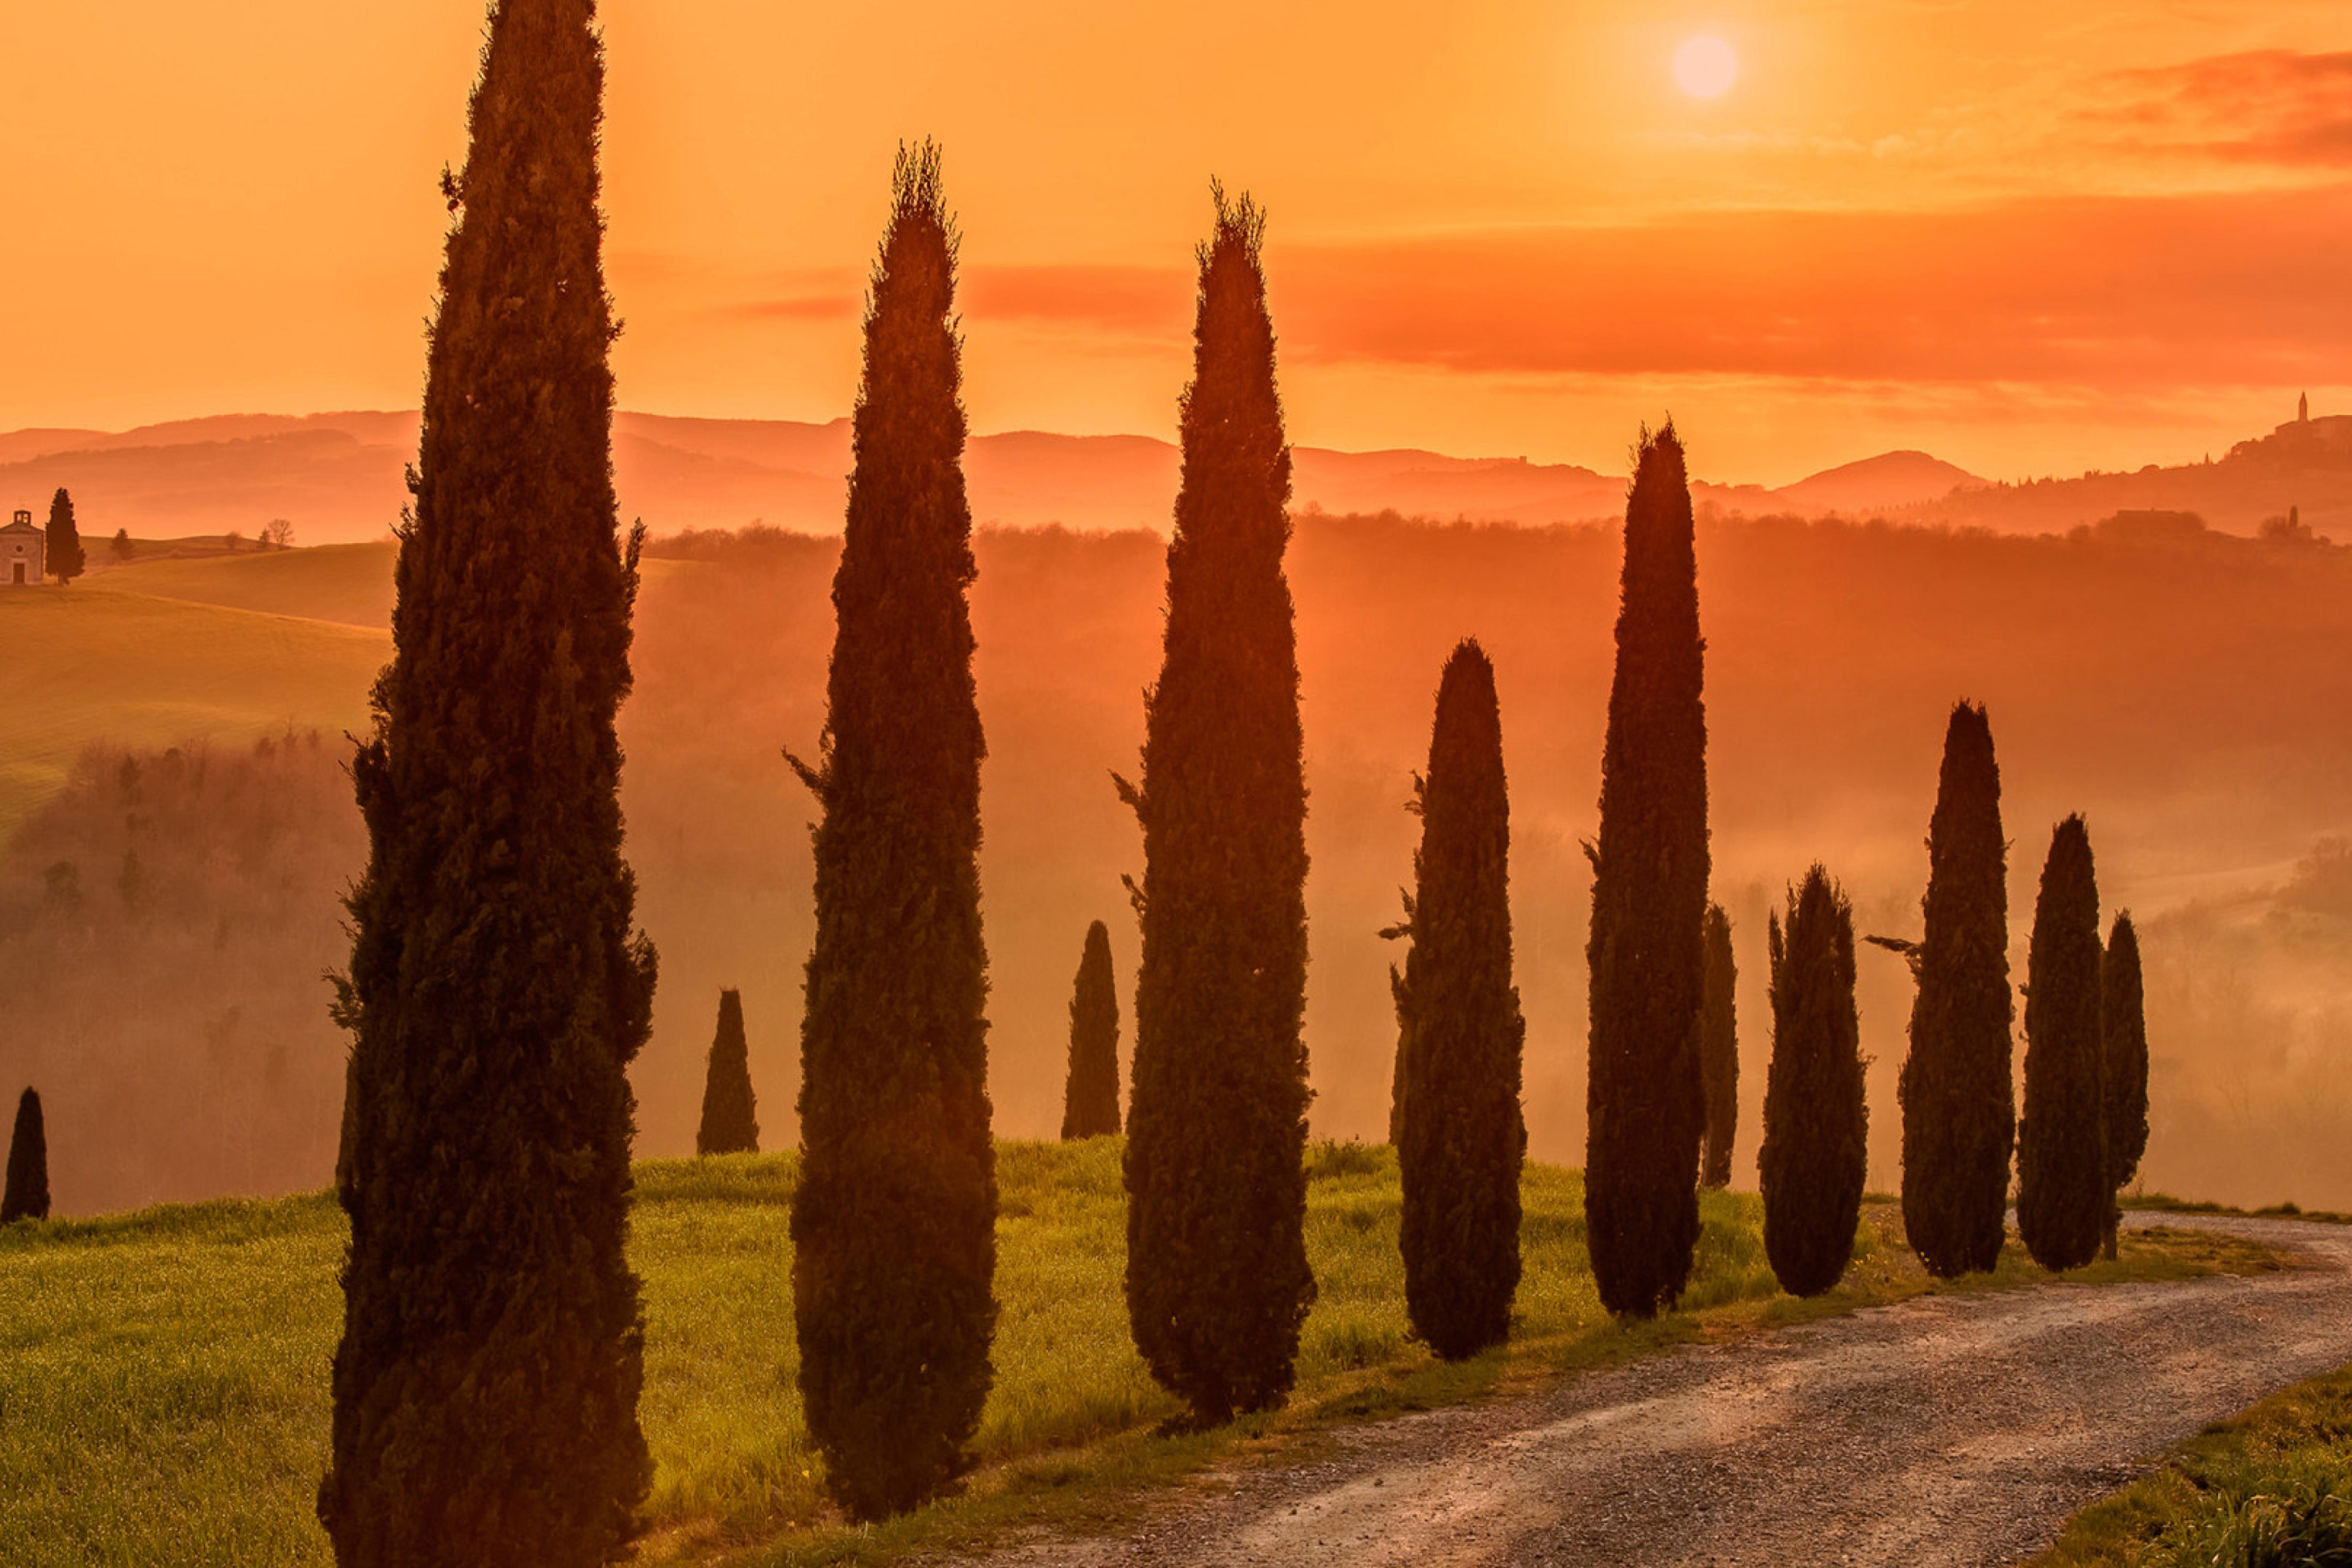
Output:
(338, 477)
(103, 661)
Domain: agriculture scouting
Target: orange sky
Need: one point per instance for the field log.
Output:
(2028, 237)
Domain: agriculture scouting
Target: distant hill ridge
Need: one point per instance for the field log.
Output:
(338, 477)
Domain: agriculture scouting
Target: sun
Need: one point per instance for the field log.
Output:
(1705, 67)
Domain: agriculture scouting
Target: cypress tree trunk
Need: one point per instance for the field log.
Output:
(1644, 1108)
(1090, 1100)
(27, 1194)
(1816, 1123)
(1217, 1281)
(2122, 1022)
(486, 1387)
(1958, 1093)
(1460, 1033)
(1718, 1052)
(2063, 1178)
(64, 547)
(894, 1219)
(730, 1122)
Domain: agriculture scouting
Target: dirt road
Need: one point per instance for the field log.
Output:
(1944, 1431)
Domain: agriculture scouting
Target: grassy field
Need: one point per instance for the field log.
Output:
(104, 660)
(163, 1390)
(2269, 1488)
(347, 583)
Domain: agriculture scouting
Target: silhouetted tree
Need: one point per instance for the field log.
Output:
(64, 549)
(26, 1195)
(1958, 1096)
(2123, 1023)
(1718, 1052)
(486, 1385)
(1816, 1125)
(1459, 1032)
(2063, 1186)
(123, 547)
(894, 1219)
(1090, 1100)
(730, 1119)
(1217, 1281)
(1644, 1109)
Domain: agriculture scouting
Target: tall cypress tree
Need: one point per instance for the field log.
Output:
(64, 548)
(1090, 1100)
(1816, 1123)
(27, 1194)
(1718, 1052)
(2123, 1023)
(894, 1222)
(730, 1121)
(2063, 1186)
(1957, 1091)
(1217, 1281)
(1460, 1033)
(1643, 1107)
(486, 1386)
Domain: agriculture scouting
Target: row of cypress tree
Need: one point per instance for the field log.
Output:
(486, 1382)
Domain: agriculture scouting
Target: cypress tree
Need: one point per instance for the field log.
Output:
(1958, 1093)
(1718, 1052)
(486, 1385)
(64, 548)
(1643, 1106)
(26, 1195)
(1090, 1100)
(1816, 1123)
(1217, 1281)
(2063, 1186)
(1460, 1033)
(2123, 1023)
(730, 1121)
(894, 1219)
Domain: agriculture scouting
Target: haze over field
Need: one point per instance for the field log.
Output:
(2172, 686)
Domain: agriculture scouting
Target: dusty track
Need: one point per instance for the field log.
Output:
(1943, 1431)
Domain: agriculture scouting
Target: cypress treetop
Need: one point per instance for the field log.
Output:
(1090, 1100)
(1644, 1109)
(1816, 1122)
(1460, 1034)
(1718, 1052)
(1217, 1281)
(730, 1123)
(2122, 1021)
(486, 1385)
(64, 547)
(2064, 1180)
(27, 1194)
(894, 1220)
(1958, 1094)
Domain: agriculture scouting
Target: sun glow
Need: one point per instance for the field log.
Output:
(1705, 67)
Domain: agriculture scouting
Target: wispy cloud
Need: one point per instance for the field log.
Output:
(2097, 290)
(2266, 106)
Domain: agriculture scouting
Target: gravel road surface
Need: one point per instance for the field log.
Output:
(1944, 1430)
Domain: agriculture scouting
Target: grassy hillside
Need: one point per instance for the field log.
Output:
(105, 661)
(163, 1375)
(349, 583)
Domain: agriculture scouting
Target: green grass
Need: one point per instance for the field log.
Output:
(2269, 1488)
(163, 1375)
(2165, 1203)
(100, 661)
